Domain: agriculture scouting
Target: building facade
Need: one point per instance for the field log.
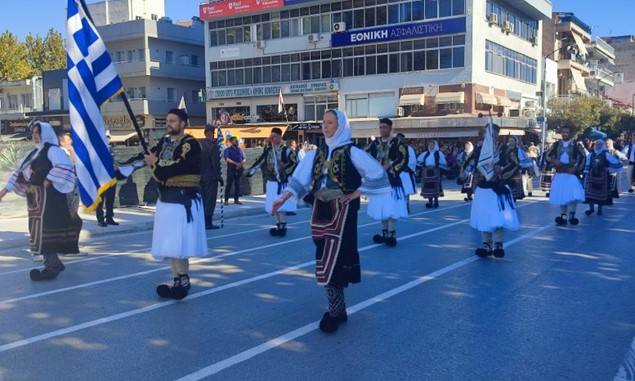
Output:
(17, 98)
(624, 90)
(160, 63)
(431, 65)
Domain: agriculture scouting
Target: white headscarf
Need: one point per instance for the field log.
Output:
(603, 148)
(343, 134)
(47, 134)
(436, 146)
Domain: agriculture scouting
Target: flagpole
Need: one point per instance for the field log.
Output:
(219, 136)
(123, 95)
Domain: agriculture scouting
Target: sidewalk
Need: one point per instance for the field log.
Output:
(14, 226)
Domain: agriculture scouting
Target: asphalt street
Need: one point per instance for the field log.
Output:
(559, 306)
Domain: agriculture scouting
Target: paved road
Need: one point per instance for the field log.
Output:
(558, 307)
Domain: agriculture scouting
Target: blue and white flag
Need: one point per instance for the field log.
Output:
(487, 159)
(92, 81)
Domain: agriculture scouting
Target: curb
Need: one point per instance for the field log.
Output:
(130, 227)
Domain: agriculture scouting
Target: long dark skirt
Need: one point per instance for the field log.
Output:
(334, 231)
(596, 188)
(50, 225)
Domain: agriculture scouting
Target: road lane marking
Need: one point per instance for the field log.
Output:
(280, 340)
(119, 316)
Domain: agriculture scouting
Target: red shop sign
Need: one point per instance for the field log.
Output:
(229, 8)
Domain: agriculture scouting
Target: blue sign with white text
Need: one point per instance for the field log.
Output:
(296, 2)
(399, 32)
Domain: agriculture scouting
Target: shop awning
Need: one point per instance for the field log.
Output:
(121, 136)
(504, 101)
(242, 132)
(486, 99)
(411, 99)
(580, 44)
(578, 80)
(16, 137)
(452, 97)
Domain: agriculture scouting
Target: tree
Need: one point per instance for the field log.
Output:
(13, 58)
(47, 53)
(35, 52)
(54, 51)
(582, 112)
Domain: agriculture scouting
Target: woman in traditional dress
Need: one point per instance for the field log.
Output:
(596, 177)
(336, 174)
(432, 162)
(45, 176)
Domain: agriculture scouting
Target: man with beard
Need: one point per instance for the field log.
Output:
(567, 159)
(393, 156)
(179, 220)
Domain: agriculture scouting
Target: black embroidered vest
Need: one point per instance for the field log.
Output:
(341, 170)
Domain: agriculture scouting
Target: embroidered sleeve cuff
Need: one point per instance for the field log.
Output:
(296, 188)
(375, 186)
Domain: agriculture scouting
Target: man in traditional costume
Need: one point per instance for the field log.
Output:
(407, 176)
(493, 210)
(516, 162)
(336, 174)
(467, 182)
(546, 171)
(567, 158)
(179, 220)
(597, 184)
(278, 162)
(393, 157)
(432, 162)
(45, 176)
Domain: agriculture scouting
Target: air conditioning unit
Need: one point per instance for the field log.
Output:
(401, 111)
(508, 26)
(529, 113)
(261, 44)
(339, 27)
(313, 37)
(530, 103)
(492, 18)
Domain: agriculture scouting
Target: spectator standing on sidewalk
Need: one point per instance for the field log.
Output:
(107, 198)
(210, 175)
(236, 159)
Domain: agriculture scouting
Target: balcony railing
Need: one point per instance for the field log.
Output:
(605, 46)
(573, 19)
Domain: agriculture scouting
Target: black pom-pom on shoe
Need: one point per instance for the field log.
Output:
(562, 220)
(391, 241)
(574, 221)
(330, 323)
(163, 290)
(378, 238)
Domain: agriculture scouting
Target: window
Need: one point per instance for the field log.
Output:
(13, 102)
(170, 94)
(154, 17)
(194, 60)
(141, 55)
(26, 100)
(169, 56)
(509, 63)
(314, 107)
(357, 106)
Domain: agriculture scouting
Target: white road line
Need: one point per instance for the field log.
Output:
(218, 237)
(280, 340)
(626, 372)
(108, 319)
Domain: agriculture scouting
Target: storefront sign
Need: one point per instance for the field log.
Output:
(209, 11)
(399, 32)
(306, 127)
(261, 91)
(122, 122)
(412, 90)
(159, 122)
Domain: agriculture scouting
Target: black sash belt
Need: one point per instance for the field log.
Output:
(183, 196)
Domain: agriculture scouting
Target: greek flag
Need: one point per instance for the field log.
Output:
(92, 81)
(487, 158)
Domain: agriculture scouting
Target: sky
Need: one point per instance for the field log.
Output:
(606, 18)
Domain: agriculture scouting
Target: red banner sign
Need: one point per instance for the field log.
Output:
(231, 8)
